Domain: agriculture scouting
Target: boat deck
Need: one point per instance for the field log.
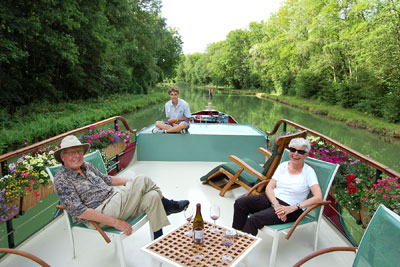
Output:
(178, 180)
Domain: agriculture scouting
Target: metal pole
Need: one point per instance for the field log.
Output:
(10, 234)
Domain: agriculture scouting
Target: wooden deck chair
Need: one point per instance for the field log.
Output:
(24, 254)
(379, 245)
(312, 215)
(245, 172)
(135, 222)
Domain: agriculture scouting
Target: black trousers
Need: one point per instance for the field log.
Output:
(262, 213)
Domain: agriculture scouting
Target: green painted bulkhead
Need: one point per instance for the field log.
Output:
(203, 142)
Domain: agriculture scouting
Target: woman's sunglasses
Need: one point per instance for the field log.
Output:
(301, 152)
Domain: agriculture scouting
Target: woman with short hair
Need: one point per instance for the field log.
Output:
(286, 194)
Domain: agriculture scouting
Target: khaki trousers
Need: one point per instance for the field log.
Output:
(139, 195)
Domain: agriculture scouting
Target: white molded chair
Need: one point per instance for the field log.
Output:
(135, 222)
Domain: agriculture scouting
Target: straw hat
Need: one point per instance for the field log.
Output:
(67, 142)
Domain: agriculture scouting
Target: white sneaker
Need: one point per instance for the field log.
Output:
(183, 131)
(157, 130)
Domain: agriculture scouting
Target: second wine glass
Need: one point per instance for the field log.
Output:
(214, 215)
(188, 213)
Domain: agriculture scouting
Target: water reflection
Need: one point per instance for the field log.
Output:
(264, 113)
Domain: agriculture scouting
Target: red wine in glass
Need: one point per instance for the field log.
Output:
(214, 215)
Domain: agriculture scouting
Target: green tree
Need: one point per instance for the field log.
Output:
(62, 50)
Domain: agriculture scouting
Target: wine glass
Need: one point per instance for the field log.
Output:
(188, 213)
(214, 215)
(228, 241)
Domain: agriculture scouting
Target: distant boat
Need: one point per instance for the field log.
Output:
(212, 116)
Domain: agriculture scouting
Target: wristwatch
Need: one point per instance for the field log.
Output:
(298, 206)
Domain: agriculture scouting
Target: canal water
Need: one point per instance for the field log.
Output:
(264, 113)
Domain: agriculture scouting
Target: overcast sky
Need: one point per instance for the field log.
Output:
(201, 22)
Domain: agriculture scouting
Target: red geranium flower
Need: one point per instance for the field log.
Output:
(351, 178)
(352, 189)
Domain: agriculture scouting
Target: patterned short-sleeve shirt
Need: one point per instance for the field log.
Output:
(78, 193)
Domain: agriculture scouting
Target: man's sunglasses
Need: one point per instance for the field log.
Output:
(301, 152)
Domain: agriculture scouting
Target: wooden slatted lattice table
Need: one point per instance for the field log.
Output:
(178, 249)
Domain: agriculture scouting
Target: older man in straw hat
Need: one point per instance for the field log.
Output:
(87, 194)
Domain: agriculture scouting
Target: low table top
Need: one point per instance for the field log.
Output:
(178, 249)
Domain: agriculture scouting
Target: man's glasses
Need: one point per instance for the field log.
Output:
(73, 153)
(293, 150)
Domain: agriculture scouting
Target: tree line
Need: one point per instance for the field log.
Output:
(57, 50)
(344, 52)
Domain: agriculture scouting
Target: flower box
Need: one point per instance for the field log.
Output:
(32, 198)
(114, 149)
(365, 217)
(355, 214)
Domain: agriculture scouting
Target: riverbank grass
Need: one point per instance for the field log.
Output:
(352, 118)
(39, 121)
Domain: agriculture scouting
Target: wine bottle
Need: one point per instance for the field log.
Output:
(198, 226)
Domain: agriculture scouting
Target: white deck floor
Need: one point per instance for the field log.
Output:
(178, 180)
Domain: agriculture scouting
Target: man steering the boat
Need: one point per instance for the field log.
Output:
(177, 112)
(89, 195)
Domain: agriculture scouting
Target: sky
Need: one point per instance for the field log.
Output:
(202, 22)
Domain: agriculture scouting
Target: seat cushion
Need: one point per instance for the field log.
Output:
(232, 167)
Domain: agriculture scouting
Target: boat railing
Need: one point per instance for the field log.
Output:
(380, 168)
(10, 156)
(38, 145)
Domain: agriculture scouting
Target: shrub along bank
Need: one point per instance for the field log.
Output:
(39, 121)
(351, 117)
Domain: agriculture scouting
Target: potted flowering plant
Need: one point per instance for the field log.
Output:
(352, 179)
(29, 171)
(12, 187)
(385, 191)
(7, 210)
(351, 183)
(326, 152)
(11, 191)
(110, 141)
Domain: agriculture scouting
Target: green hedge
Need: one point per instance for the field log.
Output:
(40, 121)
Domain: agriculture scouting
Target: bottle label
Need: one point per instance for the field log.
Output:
(198, 236)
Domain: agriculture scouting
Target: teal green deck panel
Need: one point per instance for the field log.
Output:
(204, 142)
